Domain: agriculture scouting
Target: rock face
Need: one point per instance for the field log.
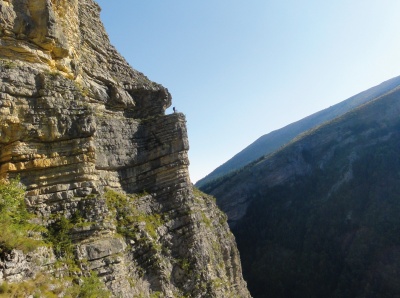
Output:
(81, 128)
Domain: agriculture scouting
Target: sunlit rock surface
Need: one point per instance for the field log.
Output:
(78, 124)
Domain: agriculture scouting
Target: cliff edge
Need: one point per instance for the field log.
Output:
(101, 162)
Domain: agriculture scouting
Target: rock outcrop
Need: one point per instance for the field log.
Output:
(85, 133)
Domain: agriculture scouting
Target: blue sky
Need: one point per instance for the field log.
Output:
(240, 69)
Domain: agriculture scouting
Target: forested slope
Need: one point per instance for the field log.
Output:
(319, 218)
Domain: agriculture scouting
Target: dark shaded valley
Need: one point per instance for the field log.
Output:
(319, 217)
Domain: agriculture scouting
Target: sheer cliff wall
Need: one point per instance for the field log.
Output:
(82, 130)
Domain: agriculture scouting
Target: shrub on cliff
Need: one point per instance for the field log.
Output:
(15, 224)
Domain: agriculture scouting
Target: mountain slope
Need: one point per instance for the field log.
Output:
(274, 140)
(320, 216)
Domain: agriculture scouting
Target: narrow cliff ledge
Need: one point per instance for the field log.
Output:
(89, 138)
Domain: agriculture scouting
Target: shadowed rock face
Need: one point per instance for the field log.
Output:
(77, 122)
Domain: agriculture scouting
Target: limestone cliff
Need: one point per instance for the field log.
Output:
(86, 134)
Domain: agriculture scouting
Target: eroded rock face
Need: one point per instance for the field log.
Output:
(77, 122)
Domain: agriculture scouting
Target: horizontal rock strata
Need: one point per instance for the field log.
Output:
(86, 133)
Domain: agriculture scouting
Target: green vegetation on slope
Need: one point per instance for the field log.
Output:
(15, 220)
(330, 227)
(19, 232)
(128, 216)
(47, 286)
(295, 241)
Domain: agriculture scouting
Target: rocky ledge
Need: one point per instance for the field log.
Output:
(89, 138)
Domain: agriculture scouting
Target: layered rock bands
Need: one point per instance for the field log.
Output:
(84, 131)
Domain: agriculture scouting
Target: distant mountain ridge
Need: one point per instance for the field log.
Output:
(319, 217)
(274, 140)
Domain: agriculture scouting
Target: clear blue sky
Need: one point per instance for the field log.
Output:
(240, 69)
